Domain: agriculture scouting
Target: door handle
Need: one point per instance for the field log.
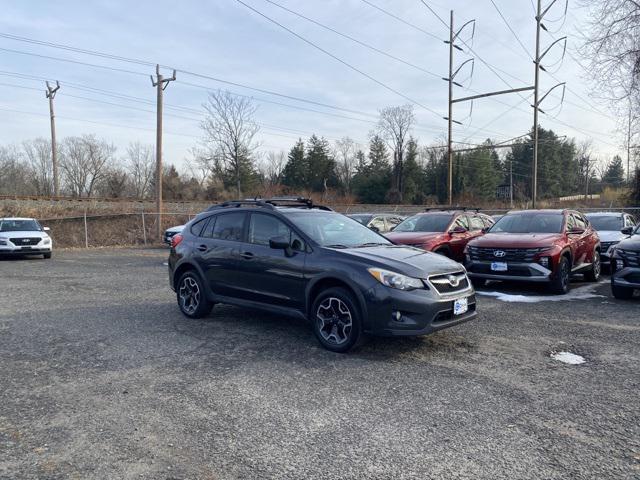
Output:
(202, 248)
(247, 255)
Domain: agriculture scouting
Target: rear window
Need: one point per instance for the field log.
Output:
(605, 222)
(529, 223)
(196, 228)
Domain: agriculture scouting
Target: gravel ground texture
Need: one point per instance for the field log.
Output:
(102, 378)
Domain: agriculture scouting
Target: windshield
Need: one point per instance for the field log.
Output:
(361, 218)
(605, 222)
(529, 223)
(19, 226)
(335, 230)
(424, 223)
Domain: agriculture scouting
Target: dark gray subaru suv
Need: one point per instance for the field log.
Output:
(292, 257)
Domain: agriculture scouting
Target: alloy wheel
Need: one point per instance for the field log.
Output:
(334, 320)
(189, 293)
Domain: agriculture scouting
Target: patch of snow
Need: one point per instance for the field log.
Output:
(568, 357)
(580, 293)
(166, 264)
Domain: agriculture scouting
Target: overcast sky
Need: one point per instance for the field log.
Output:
(225, 40)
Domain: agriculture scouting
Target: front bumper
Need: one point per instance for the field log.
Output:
(628, 277)
(421, 311)
(31, 250)
(516, 271)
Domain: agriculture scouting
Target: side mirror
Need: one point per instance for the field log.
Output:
(47, 229)
(458, 229)
(281, 243)
(627, 230)
(486, 229)
(374, 228)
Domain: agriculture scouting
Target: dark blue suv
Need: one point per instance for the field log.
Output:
(292, 257)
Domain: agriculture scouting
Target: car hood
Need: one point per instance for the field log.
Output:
(611, 235)
(631, 243)
(27, 234)
(515, 240)
(412, 238)
(403, 259)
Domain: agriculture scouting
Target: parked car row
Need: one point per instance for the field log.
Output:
(292, 257)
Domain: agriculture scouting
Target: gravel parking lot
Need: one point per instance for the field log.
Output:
(103, 378)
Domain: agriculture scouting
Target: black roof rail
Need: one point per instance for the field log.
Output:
(240, 203)
(452, 209)
(271, 203)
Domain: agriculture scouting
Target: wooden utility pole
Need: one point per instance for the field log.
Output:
(536, 84)
(160, 83)
(51, 94)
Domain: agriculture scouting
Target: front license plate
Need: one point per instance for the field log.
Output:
(460, 306)
(499, 266)
(25, 248)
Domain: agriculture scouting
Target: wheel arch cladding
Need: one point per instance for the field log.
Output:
(185, 267)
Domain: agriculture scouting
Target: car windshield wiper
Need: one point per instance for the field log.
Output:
(372, 244)
(336, 245)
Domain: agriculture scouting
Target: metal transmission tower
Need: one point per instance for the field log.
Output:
(51, 94)
(453, 36)
(160, 83)
(536, 102)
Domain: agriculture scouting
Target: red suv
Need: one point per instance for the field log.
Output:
(536, 246)
(444, 232)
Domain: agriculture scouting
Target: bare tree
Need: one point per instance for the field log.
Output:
(140, 163)
(15, 175)
(345, 155)
(273, 166)
(229, 131)
(394, 126)
(84, 161)
(38, 153)
(613, 46)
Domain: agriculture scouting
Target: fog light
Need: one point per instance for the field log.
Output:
(619, 264)
(397, 316)
(544, 261)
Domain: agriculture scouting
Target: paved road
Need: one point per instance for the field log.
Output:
(102, 378)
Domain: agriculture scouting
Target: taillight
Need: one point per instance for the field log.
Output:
(175, 240)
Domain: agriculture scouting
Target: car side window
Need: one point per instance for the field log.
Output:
(571, 222)
(208, 230)
(229, 226)
(377, 222)
(196, 228)
(630, 221)
(476, 223)
(580, 222)
(262, 228)
(488, 221)
(462, 221)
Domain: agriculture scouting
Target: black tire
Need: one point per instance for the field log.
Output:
(478, 282)
(621, 293)
(46, 255)
(340, 328)
(191, 296)
(560, 281)
(593, 275)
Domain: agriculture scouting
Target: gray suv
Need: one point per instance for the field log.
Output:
(291, 257)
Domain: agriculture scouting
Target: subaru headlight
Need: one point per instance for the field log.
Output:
(395, 280)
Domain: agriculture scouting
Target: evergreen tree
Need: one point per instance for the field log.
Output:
(321, 166)
(373, 179)
(412, 175)
(614, 174)
(295, 173)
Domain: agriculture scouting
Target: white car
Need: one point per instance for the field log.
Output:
(608, 225)
(24, 236)
(170, 232)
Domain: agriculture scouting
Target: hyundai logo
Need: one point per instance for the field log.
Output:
(25, 240)
(499, 253)
(453, 280)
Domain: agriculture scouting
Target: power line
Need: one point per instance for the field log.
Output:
(345, 63)
(355, 40)
(415, 27)
(511, 29)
